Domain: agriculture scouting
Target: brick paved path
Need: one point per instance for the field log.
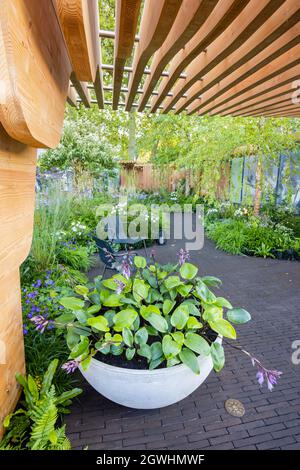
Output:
(270, 290)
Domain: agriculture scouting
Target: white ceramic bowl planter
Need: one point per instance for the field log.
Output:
(145, 389)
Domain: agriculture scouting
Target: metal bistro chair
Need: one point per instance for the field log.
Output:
(108, 255)
(116, 234)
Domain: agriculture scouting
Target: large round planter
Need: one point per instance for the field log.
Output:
(146, 389)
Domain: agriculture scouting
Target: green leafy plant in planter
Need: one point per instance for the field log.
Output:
(165, 315)
(33, 426)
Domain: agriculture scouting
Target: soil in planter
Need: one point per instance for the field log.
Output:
(139, 362)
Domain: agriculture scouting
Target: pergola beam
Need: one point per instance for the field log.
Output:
(82, 90)
(214, 26)
(157, 20)
(127, 14)
(272, 86)
(251, 32)
(191, 16)
(288, 60)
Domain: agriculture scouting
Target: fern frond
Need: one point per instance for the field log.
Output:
(44, 417)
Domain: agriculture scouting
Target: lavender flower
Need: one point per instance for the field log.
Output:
(41, 322)
(183, 256)
(70, 366)
(120, 286)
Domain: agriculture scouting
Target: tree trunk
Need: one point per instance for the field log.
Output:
(258, 187)
(132, 137)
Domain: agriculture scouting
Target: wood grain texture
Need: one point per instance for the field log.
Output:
(215, 25)
(274, 85)
(191, 16)
(277, 35)
(254, 15)
(283, 63)
(17, 197)
(82, 90)
(34, 72)
(72, 97)
(127, 14)
(79, 20)
(157, 19)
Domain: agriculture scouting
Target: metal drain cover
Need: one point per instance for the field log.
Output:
(234, 407)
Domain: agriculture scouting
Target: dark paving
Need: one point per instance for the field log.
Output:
(270, 290)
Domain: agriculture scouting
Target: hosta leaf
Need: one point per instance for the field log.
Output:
(72, 303)
(140, 262)
(172, 281)
(185, 289)
(179, 317)
(224, 328)
(124, 319)
(238, 316)
(99, 323)
(141, 336)
(140, 290)
(170, 347)
(197, 344)
(211, 281)
(190, 359)
(130, 352)
(218, 356)
(167, 306)
(158, 322)
(193, 324)
(113, 300)
(80, 348)
(188, 271)
(221, 302)
(145, 351)
(93, 309)
(178, 336)
(156, 350)
(81, 290)
(127, 337)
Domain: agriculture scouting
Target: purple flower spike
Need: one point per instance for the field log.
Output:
(125, 267)
(183, 256)
(41, 322)
(120, 286)
(264, 374)
(70, 366)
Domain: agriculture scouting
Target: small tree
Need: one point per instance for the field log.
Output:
(81, 148)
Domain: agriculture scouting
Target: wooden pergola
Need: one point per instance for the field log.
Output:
(226, 57)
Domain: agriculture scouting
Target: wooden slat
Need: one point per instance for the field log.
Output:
(289, 106)
(34, 72)
(157, 19)
(72, 97)
(222, 17)
(286, 61)
(255, 14)
(287, 114)
(82, 90)
(127, 14)
(80, 24)
(191, 16)
(98, 87)
(279, 34)
(273, 86)
(285, 97)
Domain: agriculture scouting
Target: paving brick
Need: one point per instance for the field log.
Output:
(272, 420)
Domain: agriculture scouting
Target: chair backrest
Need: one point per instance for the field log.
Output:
(115, 228)
(106, 253)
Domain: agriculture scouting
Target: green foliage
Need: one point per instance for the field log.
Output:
(81, 148)
(33, 426)
(165, 321)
